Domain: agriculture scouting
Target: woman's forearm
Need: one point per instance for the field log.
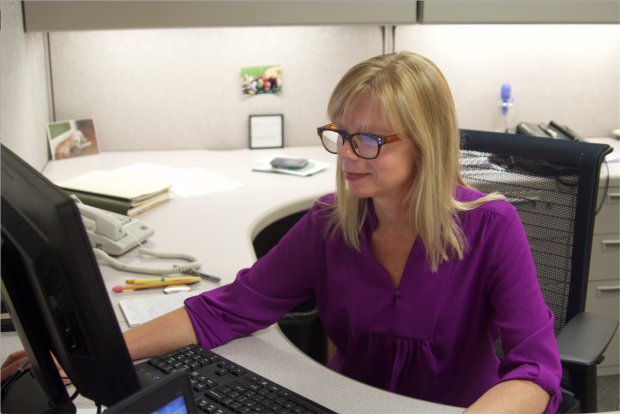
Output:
(516, 396)
(166, 333)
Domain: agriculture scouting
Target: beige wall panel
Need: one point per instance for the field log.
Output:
(565, 73)
(180, 88)
(24, 108)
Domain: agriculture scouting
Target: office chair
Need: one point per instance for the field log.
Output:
(553, 184)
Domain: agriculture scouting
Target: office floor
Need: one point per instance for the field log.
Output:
(608, 391)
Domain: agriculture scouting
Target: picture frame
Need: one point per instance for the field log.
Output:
(72, 138)
(266, 131)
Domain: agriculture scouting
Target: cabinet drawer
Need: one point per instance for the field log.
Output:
(604, 298)
(605, 260)
(607, 220)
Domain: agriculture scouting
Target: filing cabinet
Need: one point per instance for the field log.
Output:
(604, 283)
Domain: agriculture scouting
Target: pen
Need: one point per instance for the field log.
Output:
(162, 279)
(204, 276)
(152, 285)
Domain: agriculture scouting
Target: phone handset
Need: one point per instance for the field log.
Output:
(105, 224)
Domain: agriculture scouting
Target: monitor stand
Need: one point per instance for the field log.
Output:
(27, 396)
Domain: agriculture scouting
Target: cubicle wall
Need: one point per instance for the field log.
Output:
(180, 88)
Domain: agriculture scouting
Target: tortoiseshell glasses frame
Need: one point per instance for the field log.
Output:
(364, 145)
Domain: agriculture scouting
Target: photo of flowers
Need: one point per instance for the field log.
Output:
(261, 79)
(73, 138)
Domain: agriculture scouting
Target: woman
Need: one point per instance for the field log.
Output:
(415, 273)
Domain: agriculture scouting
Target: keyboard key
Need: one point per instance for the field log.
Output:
(168, 354)
(203, 361)
(167, 368)
(227, 401)
(238, 371)
(214, 395)
(250, 403)
(237, 387)
(223, 389)
(253, 377)
(210, 383)
(242, 399)
(250, 385)
(222, 372)
(186, 348)
(199, 387)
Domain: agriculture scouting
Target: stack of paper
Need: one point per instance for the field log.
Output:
(119, 193)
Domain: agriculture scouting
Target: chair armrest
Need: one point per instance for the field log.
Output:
(584, 339)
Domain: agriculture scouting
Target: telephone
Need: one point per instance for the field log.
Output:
(552, 130)
(113, 233)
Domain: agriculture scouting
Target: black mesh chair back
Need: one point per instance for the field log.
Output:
(553, 185)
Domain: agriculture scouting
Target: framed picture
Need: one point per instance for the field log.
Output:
(266, 131)
(73, 138)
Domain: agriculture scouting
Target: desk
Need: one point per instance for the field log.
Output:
(219, 229)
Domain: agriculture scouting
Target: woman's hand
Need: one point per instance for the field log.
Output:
(12, 364)
(16, 359)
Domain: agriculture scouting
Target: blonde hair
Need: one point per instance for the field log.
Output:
(415, 99)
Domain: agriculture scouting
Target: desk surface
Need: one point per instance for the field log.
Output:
(219, 228)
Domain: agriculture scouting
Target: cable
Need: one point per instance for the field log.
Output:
(195, 262)
(64, 403)
(17, 375)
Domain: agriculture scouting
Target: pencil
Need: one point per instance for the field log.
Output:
(153, 285)
(162, 279)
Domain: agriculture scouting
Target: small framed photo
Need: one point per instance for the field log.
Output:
(74, 138)
(266, 131)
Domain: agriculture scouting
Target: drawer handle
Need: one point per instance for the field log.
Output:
(610, 243)
(612, 198)
(606, 290)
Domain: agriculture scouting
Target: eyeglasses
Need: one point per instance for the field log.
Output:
(366, 146)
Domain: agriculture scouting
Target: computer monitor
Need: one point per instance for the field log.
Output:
(55, 293)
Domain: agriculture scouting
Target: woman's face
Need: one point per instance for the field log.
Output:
(390, 175)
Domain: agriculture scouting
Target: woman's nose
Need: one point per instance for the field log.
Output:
(347, 152)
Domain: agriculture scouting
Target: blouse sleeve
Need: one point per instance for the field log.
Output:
(263, 293)
(524, 321)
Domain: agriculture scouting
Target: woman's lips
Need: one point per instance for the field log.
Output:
(350, 176)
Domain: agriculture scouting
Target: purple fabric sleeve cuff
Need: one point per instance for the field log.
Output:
(541, 376)
(206, 324)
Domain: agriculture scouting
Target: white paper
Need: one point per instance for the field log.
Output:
(143, 309)
(186, 182)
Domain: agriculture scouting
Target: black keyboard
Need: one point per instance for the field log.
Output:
(221, 386)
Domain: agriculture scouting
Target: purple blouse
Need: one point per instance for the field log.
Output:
(431, 338)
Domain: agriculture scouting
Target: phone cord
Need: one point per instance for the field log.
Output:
(195, 263)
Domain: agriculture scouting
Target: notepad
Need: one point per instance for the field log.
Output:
(143, 309)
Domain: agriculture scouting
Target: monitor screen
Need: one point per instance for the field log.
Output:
(55, 293)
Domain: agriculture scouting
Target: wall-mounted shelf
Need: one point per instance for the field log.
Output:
(50, 16)
(517, 12)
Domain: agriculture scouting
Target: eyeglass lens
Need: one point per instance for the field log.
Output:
(364, 145)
